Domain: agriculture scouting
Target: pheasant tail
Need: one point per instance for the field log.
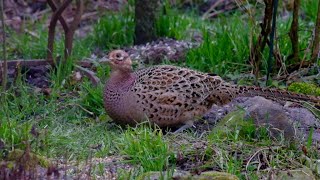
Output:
(269, 93)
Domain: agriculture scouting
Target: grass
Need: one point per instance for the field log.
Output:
(217, 52)
(70, 123)
(62, 124)
(114, 31)
(310, 7)
(34, 46)
(146, 147)
(171, 23)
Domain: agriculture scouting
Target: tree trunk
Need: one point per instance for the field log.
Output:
(4, 68)
(294, 32)
(316, 45)
(145, 17)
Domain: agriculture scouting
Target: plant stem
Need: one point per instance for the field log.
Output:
(257, 49)
(273, 30)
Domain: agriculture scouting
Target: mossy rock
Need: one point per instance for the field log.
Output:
(305, 88)
(185, 175)
(30, 159)
(216, 175)
(292, 174)
(155, 175)
(234, 120)
(259, 122)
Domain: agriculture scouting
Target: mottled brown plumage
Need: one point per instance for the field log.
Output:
(171, 96)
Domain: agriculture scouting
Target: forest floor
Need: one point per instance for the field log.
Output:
(53, 123)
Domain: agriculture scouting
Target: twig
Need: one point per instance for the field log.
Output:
(85, 16)
(33, 34)
(68, 30)
(61, 19)
(308, 49)
(4, 69)
(72, 105)
(72, 29)
(257, 49)
(208, 13)
(56, 15)
(91, 75)
(258, 151)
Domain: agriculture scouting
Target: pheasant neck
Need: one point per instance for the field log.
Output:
(121, 78)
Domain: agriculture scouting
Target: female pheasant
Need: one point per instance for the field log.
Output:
(171, 96)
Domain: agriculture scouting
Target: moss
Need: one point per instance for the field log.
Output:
(217, 175)
(30, 159)
(184, 175)
(304, 88)
(231, 121)
(242, 126)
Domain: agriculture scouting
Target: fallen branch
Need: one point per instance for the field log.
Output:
(85, 16)
(80, 66)
(90, 74)
(28, 63)
(41, 62)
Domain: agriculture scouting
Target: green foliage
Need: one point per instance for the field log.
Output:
(310, 8)
(61, 73)
(15, 125)
(27, 46)
(78, 137)
(235, 128)
(176, 25)
(225, 48)
(61, 121)
(19, 104)
(34, 46)
(114, 31)
(226, 45)
(305, 33)
(132, 174)
(305, 88)
(235, 140)
(73, 122)
(13, 134)
(146, 147)
(32, 161)
(92, 98)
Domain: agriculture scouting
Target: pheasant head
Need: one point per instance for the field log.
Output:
(120, 61)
